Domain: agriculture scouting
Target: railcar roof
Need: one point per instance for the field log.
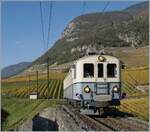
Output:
(93, 56)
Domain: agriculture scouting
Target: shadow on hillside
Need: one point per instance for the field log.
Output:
(43, 124)
(4, 115)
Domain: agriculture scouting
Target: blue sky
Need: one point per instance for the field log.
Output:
(21, 25)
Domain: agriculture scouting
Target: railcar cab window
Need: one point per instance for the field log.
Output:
(88, 70)
(100, 70)
(111, 70)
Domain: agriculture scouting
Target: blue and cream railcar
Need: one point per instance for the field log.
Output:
(94, 81)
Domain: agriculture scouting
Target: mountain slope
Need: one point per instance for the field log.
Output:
(110, 29)
(116, 31)
(14, 69)
(138, 9)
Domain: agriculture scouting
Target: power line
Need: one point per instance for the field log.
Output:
(41, 13)
(105, 7)
(49, 23)
(103, 12)
(83, 7)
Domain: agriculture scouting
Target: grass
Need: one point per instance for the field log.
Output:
(139, 107)
(20, 110)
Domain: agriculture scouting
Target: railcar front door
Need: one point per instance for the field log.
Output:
(101, 82)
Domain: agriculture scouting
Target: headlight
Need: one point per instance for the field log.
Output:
(115, 89)
(87, 89)
(101, 58)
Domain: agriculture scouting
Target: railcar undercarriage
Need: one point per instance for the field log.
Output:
(89, 107)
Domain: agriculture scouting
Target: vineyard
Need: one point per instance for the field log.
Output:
(32, 76)
(139, 107)
(21, 86)
(23, 89)
(136, 76)
(131, 78)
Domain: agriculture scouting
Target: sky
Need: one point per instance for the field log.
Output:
(22, 31)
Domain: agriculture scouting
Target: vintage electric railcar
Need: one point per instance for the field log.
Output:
(94, 83)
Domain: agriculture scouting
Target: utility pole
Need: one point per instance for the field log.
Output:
(47, 77)
(29, 84)
(37, 83)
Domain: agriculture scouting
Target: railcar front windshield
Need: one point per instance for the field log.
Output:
(111, 70)
(88, 70)
(100, 70)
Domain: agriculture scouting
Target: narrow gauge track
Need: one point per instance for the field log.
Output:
(108, 123)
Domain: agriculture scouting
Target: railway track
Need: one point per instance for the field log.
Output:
(85, 121)
(122, 124)
(108, 123)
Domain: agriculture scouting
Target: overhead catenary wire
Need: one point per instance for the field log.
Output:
(45, 42)
(42, 24)
(49, 23)
(103, 12)
(77, 55)
(83, 7)
(105, 7)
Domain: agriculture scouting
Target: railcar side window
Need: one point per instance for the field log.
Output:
(88, 70)
(100, 70)
(74, 71)
(111, 70)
